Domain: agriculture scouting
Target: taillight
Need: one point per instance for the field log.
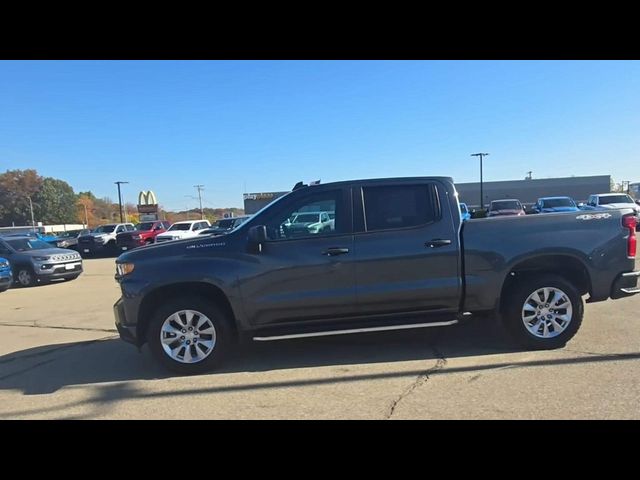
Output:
(629, 221)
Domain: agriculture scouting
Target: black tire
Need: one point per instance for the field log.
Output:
(4, 289)
(513, 317)
(28, 277)
(221, 323)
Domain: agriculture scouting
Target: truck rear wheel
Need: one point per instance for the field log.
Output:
(189, 335)
(543, 312)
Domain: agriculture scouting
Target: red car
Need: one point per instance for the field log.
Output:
(508, 206)
(144, 234)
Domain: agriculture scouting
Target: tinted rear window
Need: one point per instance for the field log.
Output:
(615, 199)
(558, 202)
(402, 206)
(506, 205)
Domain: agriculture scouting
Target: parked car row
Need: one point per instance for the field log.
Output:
(119, 237)
(596, 202)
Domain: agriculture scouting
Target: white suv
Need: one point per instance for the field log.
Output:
(180, 230)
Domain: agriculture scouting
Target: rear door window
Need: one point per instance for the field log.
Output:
(399, 206)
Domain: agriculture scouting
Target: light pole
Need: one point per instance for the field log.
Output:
(481, 191)
(200, 187)
(33, 223)
(120, 198)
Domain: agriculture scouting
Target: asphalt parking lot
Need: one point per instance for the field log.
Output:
(60, 358)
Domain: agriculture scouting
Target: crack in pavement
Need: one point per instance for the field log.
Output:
(13, 374)
(51, 350)
(81, 329)
(420, 380)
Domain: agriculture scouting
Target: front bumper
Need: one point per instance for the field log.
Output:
(5, 279)
(127, 332)
(129, 244)
(626, 285)
(91, 247)
(58, 270)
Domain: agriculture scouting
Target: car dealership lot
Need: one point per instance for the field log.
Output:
(60, 357)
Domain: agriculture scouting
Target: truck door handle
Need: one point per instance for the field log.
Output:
(335, 251)
(437, 242)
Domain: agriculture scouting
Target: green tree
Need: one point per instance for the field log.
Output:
(16, 186)
(55, 202)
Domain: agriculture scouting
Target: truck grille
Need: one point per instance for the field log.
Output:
(65, 257)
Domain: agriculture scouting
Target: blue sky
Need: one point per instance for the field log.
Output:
(168, 125)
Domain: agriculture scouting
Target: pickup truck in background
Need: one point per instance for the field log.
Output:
(609, 201)
(102, 239)
(225, 225)
(397, 257)
(182, 230)
(145, 233)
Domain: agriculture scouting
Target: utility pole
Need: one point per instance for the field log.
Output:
(528, 177)
(86, 215)
(120, 199)
(481, 189)
(33, 223)
(200, 188)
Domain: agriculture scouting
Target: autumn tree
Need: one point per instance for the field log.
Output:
(55, 202)
(16, 187)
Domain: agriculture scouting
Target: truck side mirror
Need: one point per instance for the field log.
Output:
(257, 236)
(581, 204)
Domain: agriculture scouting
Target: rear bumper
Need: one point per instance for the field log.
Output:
(626, 285)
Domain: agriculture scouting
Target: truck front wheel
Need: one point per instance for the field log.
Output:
(189, 335)
(543, 312)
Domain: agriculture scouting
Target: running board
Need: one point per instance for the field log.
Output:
(355, 330)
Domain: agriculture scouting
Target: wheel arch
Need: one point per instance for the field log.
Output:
(566, 266)
(207, 291)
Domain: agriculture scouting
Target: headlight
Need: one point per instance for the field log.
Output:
(123, 269)
(40, 259)
(136, 237)
(99, 240)
(4, 264)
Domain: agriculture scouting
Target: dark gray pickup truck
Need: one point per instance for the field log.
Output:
(396, 256)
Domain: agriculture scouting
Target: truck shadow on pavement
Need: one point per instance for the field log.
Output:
(46, 369)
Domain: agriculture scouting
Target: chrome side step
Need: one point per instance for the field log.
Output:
(355, 330)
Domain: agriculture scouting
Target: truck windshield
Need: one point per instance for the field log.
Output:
(558, 202)
(506, 205)
(105, 229)
(24, 244)
(306, 218)
(180, 226)
(144, 226)
(227, 223)
(615, 199)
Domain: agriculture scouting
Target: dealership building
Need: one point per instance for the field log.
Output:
(527, 191)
